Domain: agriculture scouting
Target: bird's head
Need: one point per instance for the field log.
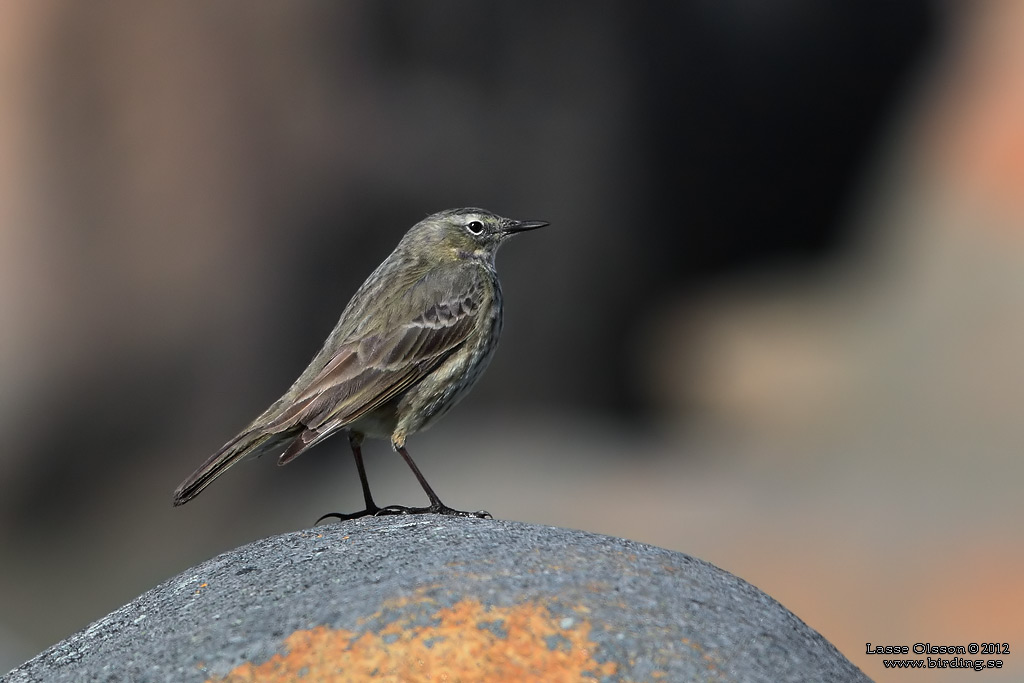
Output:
(467, 233)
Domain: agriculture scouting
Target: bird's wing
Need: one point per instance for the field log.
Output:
(367, 371)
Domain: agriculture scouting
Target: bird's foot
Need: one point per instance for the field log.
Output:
(436, 509)
(441, 509)
(368, 512)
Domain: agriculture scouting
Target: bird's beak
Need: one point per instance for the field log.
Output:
(523, 226)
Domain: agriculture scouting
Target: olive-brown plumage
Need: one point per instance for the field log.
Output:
(413, 339)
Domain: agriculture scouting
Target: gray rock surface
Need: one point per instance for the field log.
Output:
(411, 598)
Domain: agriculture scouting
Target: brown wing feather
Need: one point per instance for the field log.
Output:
(374, 359)
(368, 372)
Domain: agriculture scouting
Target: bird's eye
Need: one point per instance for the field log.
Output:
(475, 227)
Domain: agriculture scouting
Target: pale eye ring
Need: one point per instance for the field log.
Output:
(475, 227)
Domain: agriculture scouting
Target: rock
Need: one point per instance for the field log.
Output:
(412, 598)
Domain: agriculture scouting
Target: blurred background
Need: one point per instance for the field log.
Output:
(777, 322)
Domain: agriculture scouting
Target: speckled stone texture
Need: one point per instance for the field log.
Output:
(417, 598)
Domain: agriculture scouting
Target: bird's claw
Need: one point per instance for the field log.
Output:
(403, 510)
(432, 509)
(345, 517)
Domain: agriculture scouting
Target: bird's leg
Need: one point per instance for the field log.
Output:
(436, 506)
(355, 440)
(357, 453)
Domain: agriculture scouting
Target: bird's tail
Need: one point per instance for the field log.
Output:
(248, 443)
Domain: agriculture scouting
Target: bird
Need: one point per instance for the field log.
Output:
(412, 341)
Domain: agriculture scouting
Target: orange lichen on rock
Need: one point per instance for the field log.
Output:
(468, 642)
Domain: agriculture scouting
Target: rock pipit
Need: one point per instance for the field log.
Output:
(411, 342)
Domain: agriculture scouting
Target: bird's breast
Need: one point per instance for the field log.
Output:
(449, 382)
